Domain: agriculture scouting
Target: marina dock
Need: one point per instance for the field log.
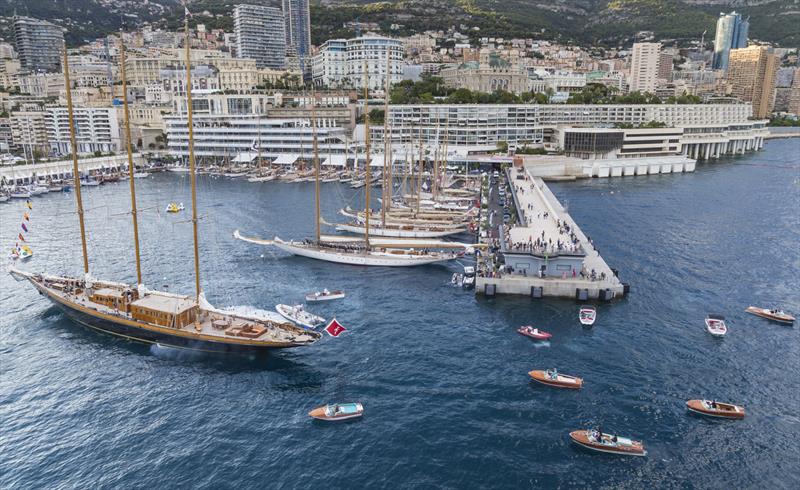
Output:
(544, 252)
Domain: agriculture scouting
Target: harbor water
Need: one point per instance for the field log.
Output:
(442, 374)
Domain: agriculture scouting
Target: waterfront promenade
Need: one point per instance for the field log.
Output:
(24, 174)
(544, 248)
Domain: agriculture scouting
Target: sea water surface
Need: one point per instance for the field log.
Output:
(442, 374)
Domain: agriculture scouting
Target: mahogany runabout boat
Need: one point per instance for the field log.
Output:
(551, 377)
(716, 409)
(771, 314)
(534, 333)
(337, 411)
(608, 443)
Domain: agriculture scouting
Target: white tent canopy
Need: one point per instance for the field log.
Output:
(336, 160)
(245, 156)
(284, 159)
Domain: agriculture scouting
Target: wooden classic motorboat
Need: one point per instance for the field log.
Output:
(773, 314)
(587, 315)
(325, 295)
(715, 324)
(132, 311)
(299, 315)
(552, 377)
(534, 333)
(608, 443)
(337, 411)
(713, 408)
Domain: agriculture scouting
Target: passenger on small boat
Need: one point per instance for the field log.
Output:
(552, 373)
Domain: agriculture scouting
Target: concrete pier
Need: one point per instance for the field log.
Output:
(62, 169)
(548, 254)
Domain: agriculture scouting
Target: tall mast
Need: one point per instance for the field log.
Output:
(75, 172)
(316, 162)
(368, 209)
(191, 156)
(131, 167)
(421, 168)
(436, 163)
(387, 183)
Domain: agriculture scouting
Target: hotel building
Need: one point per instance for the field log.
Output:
(340, 63)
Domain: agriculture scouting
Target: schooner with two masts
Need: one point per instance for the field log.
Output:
(156, 317)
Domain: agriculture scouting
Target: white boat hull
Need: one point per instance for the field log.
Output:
(399, 233)
(364, 258)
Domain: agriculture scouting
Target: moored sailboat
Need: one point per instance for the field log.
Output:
(135, 313)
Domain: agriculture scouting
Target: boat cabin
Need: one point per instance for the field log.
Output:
(114, 298)
(166, 311)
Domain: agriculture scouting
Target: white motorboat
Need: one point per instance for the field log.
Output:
(91, 182)
(468, 282)
(300, 316)
(20, 193)
(55, 187)
(715, 324)
(141, 175)
(587, 315)
(262, 178)
(38, 190)
(4, 197)
(325, 295)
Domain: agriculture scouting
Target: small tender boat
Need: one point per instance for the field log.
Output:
(715, 324)
(587, 315)
(300, 316)
(337, 411)
(22, 253)
(174, 207)
(534, 333)
(771, 314)
(91, 182)
(325, 295)
(469, 277)
(608, 443)
(552, 377)
(141, 175)
(716, 409)
(20, 193)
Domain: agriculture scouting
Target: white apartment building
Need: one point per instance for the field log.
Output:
(359, 53)
(329, 66)
(96, 129)
(260, 35)
(708, 129)
(645, 61)
(40, 84)
(29, 131)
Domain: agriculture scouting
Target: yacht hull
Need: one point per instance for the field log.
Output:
(371, 259)
(399, 232)
(129, 329)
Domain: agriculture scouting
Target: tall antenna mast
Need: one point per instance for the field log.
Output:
(316, 163)
(387, 183)
(367, 177)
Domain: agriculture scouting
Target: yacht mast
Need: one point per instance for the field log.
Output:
(131, 166)
(387, 183)
(367, 177)
(421, 168)
(191, 155)
(75, 171)
(316, 162)
(436, 163)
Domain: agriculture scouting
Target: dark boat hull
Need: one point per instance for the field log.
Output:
(151, 337)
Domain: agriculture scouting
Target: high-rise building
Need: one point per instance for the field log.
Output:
(260, 34)
(665, 66)
(731, 34)
(794, 94)
(297, 18)
(751, 75)
(39, 44)
(644, 67)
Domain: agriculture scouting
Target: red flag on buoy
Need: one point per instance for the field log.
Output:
(21, 238)
(334, 328)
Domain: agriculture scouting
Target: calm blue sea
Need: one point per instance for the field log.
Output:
(442, 374)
